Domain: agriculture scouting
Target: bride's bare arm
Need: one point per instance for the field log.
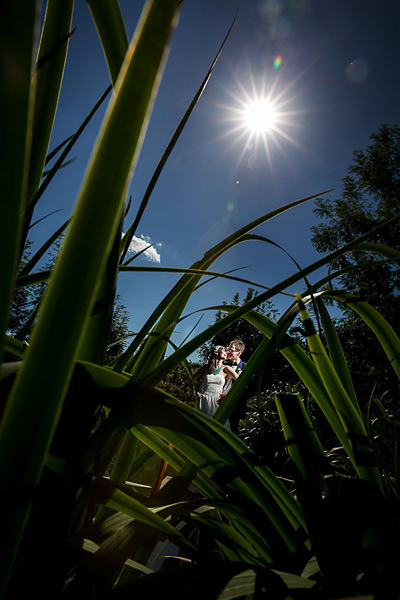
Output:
(229, 372)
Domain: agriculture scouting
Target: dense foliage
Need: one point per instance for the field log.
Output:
(179, 384)
(26, 301)
(119, 329)
(370, 197)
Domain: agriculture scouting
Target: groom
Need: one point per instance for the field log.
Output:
(235, 349)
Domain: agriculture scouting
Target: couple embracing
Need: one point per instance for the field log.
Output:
(222, 369)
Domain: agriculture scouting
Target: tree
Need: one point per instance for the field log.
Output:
(118, 330)
(25, 300)
(178, 383)
(370, 196)
(21, 305)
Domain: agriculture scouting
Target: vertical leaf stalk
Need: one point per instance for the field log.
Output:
(361, 453)
(18, 24)
(35, 402)
(52, 56)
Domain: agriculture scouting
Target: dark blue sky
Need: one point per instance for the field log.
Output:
(331, 67)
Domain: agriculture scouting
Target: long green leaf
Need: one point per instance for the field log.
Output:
(111, 29)
(167, 152)
(227, 535)
(178, 297)
(305, 369)
(17, 31)
(387, 337)
(177, 462)
(119, 500)
(40, 253)
(336, 353)
(173, 305)
(262, 473)
(57, 25)
(34, 406)
(246, 525)
(59, 163)
(91, 547)
(191, 271)
(375, 248)
(303, 445)
(14, 346)
(214, 449)
(362, 454)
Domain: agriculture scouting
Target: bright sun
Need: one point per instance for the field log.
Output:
(259, 116)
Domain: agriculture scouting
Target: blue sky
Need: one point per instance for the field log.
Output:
(331, 67)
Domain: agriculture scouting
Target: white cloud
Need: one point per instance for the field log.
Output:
(139, 243)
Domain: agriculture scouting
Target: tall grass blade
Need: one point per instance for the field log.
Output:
(59, 163)
(167, 152)
(169, 363)
(42, 251)
(17, 30)
(176, 461)
(118, 500)
(387, 337)
(361, 454)
(57, 149)
(125, 269)
(112, 33)
(303, 445)
(214, 449)
(171, 310)
(111, 29)
(34, 406)
(305, 369)
(56, 27)
(336, 352)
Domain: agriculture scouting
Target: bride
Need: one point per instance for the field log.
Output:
(214, 375)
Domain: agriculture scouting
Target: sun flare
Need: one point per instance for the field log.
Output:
(259, 116)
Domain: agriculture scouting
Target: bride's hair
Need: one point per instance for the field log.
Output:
(212, 361)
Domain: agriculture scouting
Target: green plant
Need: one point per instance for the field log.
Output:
(261, 428)
(371, 193)
(67, 414)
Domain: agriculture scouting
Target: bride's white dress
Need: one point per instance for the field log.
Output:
(210, 393)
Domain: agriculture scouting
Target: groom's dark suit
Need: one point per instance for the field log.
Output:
(240, 409)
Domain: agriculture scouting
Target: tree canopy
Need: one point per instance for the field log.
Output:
(370, 197)
(26, 300)
(119, 329)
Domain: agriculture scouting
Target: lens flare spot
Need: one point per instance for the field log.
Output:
(230, 206)
(277, 62)
(357, 71)
(269, 9)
